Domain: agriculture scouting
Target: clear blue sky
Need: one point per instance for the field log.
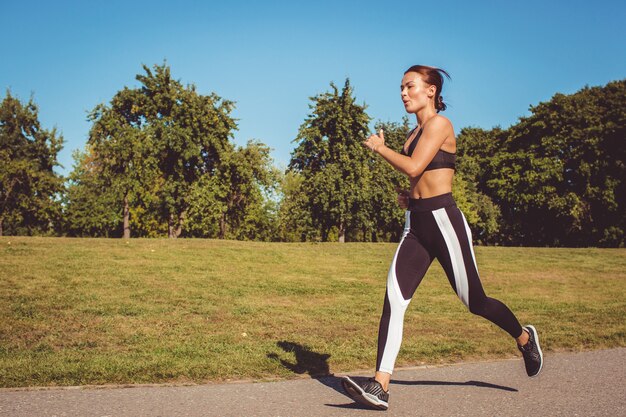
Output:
(270, 57)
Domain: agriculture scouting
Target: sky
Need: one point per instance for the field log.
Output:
(271, 57)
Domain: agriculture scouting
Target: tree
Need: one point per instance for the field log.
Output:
(387, 217)
(233, 202)
(29, 188)
(191, 134)
(561, 180)
(156, 141)
(477, 149)
(294, 217)
(91, 207)
(558, 175)
(122, 151)
(333, 163)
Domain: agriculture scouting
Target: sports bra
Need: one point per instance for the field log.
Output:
(442, 158)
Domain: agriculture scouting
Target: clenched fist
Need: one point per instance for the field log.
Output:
(375, 141)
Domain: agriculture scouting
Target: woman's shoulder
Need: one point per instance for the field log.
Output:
(439, 123)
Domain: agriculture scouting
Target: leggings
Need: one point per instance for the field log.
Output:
(434, 228)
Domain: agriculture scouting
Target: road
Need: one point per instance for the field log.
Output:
(571, 384)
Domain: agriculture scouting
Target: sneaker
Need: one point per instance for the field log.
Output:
(533, 357)
(368, 392)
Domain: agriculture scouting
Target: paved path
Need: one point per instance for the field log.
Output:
(571, 384)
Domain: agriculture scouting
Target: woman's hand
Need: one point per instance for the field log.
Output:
(403, 198)
(375, 141)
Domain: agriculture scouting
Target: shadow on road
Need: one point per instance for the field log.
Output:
(467, 383)
(316, 366)
(355, 405)
(351, 406)
(308, 362)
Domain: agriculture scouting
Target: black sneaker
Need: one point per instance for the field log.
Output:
(368, 392)
(533, 357)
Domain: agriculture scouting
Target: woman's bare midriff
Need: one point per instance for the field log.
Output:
(437, 181)
(432, 183)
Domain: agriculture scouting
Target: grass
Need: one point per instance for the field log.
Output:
(99, 311)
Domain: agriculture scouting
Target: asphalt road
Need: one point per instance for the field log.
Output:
(571, 384)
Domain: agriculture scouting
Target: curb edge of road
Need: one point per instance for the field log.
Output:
(294, 378)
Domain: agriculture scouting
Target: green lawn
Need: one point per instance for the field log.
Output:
(99, 311)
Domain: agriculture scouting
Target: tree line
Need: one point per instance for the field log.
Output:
(160, 161)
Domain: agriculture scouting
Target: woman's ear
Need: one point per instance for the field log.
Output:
(432, 90)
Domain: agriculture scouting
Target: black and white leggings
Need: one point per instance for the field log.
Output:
(434, 228)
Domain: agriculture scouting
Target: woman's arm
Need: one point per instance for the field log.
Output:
(435, 133)
(403, 197)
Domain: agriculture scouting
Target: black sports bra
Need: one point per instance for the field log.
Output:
(442, 158)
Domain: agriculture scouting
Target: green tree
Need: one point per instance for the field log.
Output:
(191, 133)
(334, 164)
(561, 178)
(294, 217)
(557, 177)
(155, 142)
(91, 207)
(234, 201)
(122, 152)
(481, 213)
(386, 215)
(30, 190)
(477, 151)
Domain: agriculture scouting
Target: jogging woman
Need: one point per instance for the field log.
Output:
(435, 229)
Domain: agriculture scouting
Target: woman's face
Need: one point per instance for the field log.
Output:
(415, 93)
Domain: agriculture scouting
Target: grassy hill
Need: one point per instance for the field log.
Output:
(98, 311)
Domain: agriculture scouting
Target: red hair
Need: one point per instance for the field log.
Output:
(433, 76)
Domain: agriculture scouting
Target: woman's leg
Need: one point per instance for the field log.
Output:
(456, 255)
(409, 265)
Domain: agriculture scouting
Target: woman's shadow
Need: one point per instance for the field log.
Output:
(316, 366)
(308, 362)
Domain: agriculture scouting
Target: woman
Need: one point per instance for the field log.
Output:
(435, 229)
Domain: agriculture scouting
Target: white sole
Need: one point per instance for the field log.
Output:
(356, 393)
